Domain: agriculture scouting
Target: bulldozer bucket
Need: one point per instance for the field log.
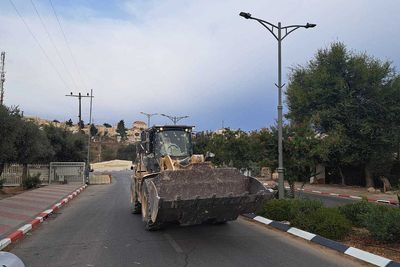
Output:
(202, 194)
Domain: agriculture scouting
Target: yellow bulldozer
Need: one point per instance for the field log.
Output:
(172, 185)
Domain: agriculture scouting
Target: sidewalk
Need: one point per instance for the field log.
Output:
(20, 209)
(355, 192)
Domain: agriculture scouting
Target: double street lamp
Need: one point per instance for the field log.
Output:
(279, 32)
(175, 119)
(148, 115)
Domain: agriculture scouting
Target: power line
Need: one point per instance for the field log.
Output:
(53, 43)
(38, 43)
(67, 43)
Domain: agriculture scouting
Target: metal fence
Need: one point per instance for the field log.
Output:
(56, 172)
(43, 169)
(12, 174)
(67, 172)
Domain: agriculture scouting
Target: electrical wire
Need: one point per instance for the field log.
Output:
(67, 43)
(38, 43)
(54, 45)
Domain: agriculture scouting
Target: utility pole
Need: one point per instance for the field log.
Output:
(90, 126)
(79, 96)
(149, 115)
(2, 77)
(282, 32)
(174, 119)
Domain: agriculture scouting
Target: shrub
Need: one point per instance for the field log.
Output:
(383, 223)
(355, 212)
(305, 206)
(31, 181)
(276, 209)
(2, 183)
(327, 222)
(288, 209)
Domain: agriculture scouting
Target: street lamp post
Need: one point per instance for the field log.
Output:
(90, 125)
(286, 30)
(174, 119)
(149, 115)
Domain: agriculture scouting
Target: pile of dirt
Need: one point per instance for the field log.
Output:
(112, 165)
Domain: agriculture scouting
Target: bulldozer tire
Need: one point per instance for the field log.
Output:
(135, 205)
(220, 222)
(146, 212)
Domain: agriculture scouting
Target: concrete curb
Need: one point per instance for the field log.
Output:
(18, 234)
(391, 202)
(342, 248)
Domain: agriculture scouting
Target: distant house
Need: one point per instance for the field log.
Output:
(134, 132)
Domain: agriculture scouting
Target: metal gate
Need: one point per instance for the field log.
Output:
(67, 172)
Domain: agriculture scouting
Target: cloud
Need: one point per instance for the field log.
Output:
(196, 58)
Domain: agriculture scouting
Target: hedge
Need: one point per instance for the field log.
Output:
(383, 223)
(327, 222)
(288, 209)
(309, 215)
(356, 212)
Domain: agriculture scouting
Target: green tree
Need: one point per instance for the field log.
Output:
(299, 158)
(232, 148)
(107, 153)
(67, 146)
(32, 146)
(127, 152)
(351, 100)
(69, 123)
(10, 123)
(121, 130)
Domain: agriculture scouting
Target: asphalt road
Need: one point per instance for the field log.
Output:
(327, 200)
(97, 229)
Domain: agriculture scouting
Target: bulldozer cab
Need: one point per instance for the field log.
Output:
(175, 141)
(160, 141)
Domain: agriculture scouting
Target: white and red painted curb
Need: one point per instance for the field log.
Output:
(342, 248)
(14, 236)
(391, 202)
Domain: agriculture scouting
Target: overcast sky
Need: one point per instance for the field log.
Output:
(196, 58)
